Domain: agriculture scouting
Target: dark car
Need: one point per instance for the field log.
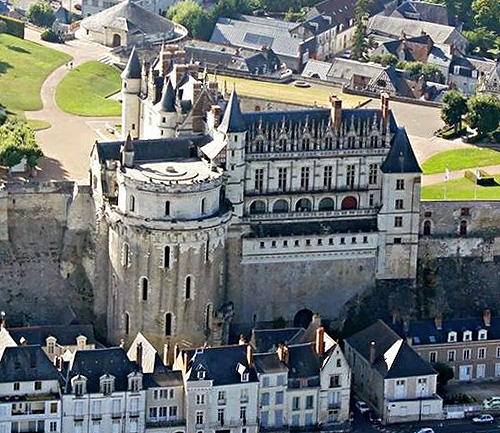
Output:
(373, 418)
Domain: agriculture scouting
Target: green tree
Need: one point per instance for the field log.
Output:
(17, 140)
(40, 13)
(480, 40)
(431, 72)
(454, 108)
(487, 14)
(385, 59)
(445, 374)
(231, 8)
(192, 16)
(360, 42)
(483, 113)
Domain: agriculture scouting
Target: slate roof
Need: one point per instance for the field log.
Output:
(167, 101)
(26, 363)
(65, 335)
(133, 68)
(233, 120)
(220, 364)
(393, 357)
(61, 15)
(95, 363)
(303, 362)
(160, 149)
(319, 228)
(425, 331)
(423, 11)
(165, 378)
(343, 10)
(401, 158)
(269, 363)
(346, 68)
(316, 68)
(265, 340)
(128, 15)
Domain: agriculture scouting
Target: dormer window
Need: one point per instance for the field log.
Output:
(200, 374)
(244, 376)
(79, 385)
(467, 335)
(135, 382)
(452, 337)
(107, 384)
(482, 334)
(51, 345)
(81, 342)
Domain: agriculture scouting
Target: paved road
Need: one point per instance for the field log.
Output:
(68, 142)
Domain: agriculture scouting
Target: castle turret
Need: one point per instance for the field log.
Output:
(127, 152)
(167, 111)
(234, 128)
(131, 88)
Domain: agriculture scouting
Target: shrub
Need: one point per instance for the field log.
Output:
(40, 13)
(14, 27)
(50, 35)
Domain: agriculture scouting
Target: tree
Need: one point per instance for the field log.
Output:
(17, 140)
(192, 16)
(385, 59)
(487, 14)
(360, 43)
(431, 72)
(480, 40)
(445, 374)
(483, 113)
(454, 108)
(40, 13)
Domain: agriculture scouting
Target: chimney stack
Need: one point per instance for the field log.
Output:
(3, 319)
(138, 354)
(487, 318)
(216, 114)
(320, 340)
(249, 356)
(283, 353)
(336, 111)
(384, 99)
(373, 348)
(438, 321)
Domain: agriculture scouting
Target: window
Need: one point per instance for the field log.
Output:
(482, 335)
(167, 208)
(374, 141)
(339, 361)
(199, 418)
(427, 228)
(373, 173)
(350, 174)
(371, 200)
(127, 323)
(53, 407)
(398, 221)
(309, 418)
(282, 172)
(309, 401)
(467, 335)
(79, 387)
(144, 288)
(125, 254)
(168, 324)
(96, 408)
(304, 178)
(38, 385)
(481, 353)
(295, 420)
(53, 426)
(335, 381)
(466, 354)
(452, 337)
(296, 403)
(188, 284)
(400, 184)
(243, 413)
(244, 395)
(259, 179)
(498, 352)
(398, 204)
(463, 228)
(220, 416)
(202, 206)
(221, 397)
(131, 205)
(264, 399)
(265, 380)
(279, 397)
(172, 412)
(107, 385)
(281, 380)
(245, 376)
(432, 357)
(200, 399)
(166, 257)
(452, 354)
(327, 177)
(264, 418)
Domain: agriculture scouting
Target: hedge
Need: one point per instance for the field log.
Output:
(14, 27)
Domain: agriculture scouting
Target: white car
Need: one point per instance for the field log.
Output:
(425, 430)
(362, 406)
(483, 419)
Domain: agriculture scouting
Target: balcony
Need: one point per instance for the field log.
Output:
(78, 417)
(116, 415)
(133, 414)
(312, 214)
(96, 417)
(165, 423)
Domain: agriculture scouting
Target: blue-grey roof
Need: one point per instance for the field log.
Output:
(233, 120)
(265, 340)
(401, 158)
(424, 11)
(167, 101)
(26, 363)
(65, 335)
(133, 68)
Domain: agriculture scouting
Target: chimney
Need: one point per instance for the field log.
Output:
(373, 348)
(193, 69)
(180, 56)
(216, 111)
(138, 354)
(3, 319)
(384, 99)
(166, 354)
(336, 111)
(242, 340)
(122, 343)
(487, 318)
(438, 321)
(249, 356)
(320, 340)
(283, 353)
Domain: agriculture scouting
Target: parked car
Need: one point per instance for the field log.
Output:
(372, 417)
(362, 406)
(302, 84)
(425, 430)
(483, 419)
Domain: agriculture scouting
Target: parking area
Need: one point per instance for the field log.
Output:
(478, 391)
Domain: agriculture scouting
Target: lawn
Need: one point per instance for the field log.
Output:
(461, 189)
(458, 159)
(84, 90)
(24, 66)
(316, 94)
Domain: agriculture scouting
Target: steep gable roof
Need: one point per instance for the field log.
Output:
(233, 120)
(133, 68)
(401, 158)
(65, 335)
(26, 363)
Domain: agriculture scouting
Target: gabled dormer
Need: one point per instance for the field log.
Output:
(467, 335)
(482, 334)
(51, 344)
(107, 384)
(135, 381)
(201, 373)
(244, 372)
(452, 337)
(79, 385)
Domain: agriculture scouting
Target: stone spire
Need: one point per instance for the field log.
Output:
(233, 120)
(133, 69)
(167, 101)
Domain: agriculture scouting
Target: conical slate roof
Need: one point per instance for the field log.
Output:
(401, 158)
(233, 120)
(167, 101)
(133, 68)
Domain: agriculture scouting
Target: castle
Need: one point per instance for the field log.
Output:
(207, 214)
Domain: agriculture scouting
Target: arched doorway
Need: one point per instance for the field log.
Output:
(303, 205)
(303, 318)
(463, 228)
(427, 228)
(280, 206)
(117, 40)
(258, 207)
(349, 202)
(326, 204)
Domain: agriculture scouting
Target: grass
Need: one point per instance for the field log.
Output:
(24, 66)
(461, 189)
(316, 94)
(38, 125)
(459, 159)
(84, 90)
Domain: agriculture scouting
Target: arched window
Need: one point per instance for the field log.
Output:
(303, 205)
(427, 228)
(463, 228)
(222, 195)
(258, 207)
(131, 206)
(167, 208)
(203, 202)
(349, 203)
(208, 317)
(166, 257)
(168, 324)
(188, 287)
(127, 323)
(280, 206)
(144, 288)
(125, 254)
(326, 204)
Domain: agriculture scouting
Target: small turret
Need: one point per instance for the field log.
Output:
(167, 101)
(128, 152)
(133, 68)
(233, 120)
(131, 88)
